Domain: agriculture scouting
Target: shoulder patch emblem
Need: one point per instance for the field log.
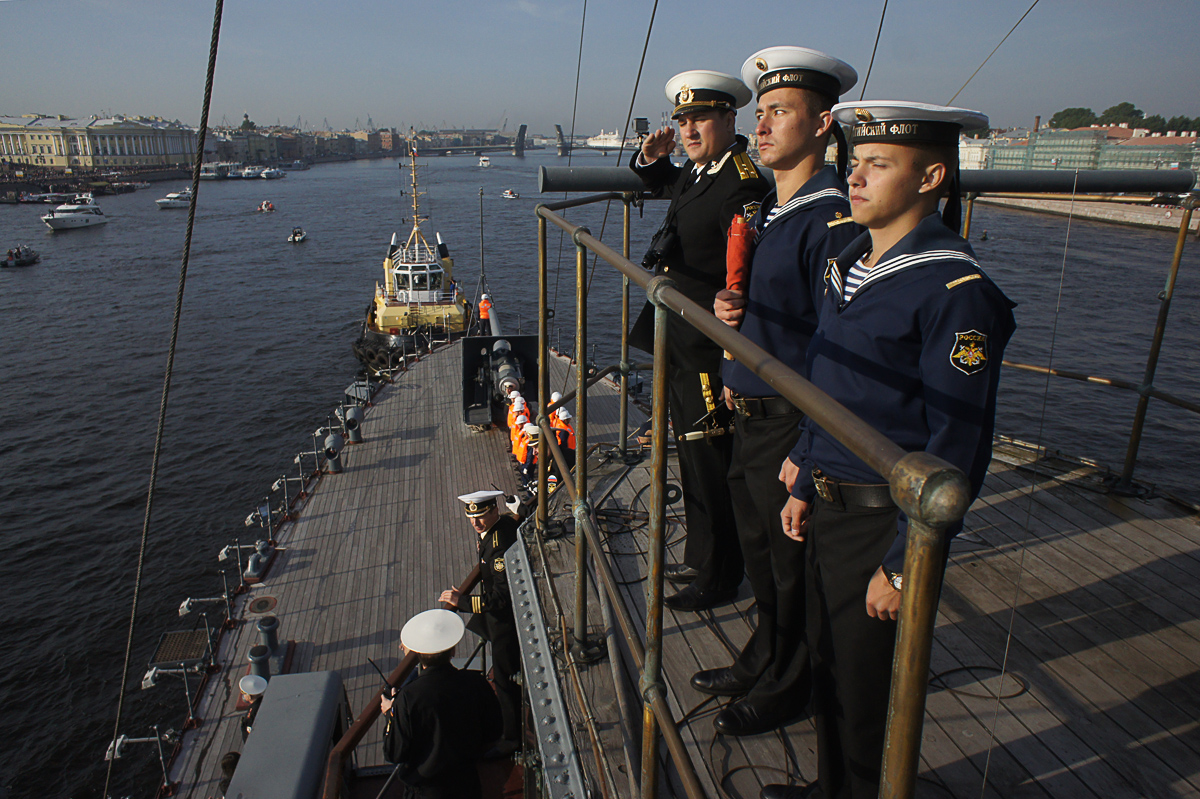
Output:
(745, 166)
(498, 564)
(843, 220)
(750, 209)
(969, 352)
(961, 280)
(716, 166)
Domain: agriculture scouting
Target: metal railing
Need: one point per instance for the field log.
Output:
(932, 493)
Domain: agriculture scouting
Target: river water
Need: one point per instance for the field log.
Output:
(263, 357)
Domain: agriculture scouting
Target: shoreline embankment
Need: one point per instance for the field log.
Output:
(1160, 217)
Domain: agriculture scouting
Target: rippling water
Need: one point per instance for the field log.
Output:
(264, 354)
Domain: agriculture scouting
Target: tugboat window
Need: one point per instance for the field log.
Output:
(402, 281)
(435, 281)
(419, 280)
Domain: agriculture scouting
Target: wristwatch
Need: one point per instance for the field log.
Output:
(895, 578)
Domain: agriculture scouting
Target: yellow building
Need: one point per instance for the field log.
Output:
(91, 142)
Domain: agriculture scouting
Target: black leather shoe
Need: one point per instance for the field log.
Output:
(503, 749)
(719, 682)
(680, 573)
(693, 598)
(743, 718)
(777, 791)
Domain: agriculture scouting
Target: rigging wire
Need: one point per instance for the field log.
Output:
(997, 47)
(571, 143)
(166, 390)
(878, 33)
(1032, 490)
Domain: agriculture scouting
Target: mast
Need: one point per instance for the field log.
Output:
(416, 239)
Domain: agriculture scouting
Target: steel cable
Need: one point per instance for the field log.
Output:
(166, 391)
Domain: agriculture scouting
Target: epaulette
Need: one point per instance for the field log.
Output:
(964, 279)
(745, 166)
(841, 220)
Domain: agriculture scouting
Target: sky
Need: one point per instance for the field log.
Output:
(471, 63)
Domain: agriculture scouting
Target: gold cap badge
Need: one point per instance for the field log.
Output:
(863, 115)
(760, 64)
(685, 93)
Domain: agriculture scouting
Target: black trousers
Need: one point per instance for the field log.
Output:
(501, 632)
(851, 651)
(712, 542)
(776, 657)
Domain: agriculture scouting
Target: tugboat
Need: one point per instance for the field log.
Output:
(22, 255)
(418, 300)
(79, 212)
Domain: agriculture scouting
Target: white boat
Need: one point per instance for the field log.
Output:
(266, 206)
(509, 194)
(297, 235)
(295, 166)
(606, 141)
(251, 171)
(484, 161)
(271, 173)
(79, 212)
(176, 199)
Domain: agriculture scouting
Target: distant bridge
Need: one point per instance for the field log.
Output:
(517, 148)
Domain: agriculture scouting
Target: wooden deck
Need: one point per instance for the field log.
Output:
(1100, 693)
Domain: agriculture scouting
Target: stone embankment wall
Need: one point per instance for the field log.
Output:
(1151, 216)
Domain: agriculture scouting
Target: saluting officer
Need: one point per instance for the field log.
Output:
(803, 223)
(910, 338)
(720, 182)
(442, 722)
(492, 611)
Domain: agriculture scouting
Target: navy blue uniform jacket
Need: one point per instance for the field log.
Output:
(702, 214)
(787, 274)
(915, 353)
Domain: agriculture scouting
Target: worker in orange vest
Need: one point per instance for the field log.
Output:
(485, 305)
(531, 434)
(566, 440)
(515, 410)
(516, 436)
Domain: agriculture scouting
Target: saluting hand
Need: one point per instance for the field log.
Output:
(450, 595)
(730, 307)
(795, 518)
(659, 143)
(883, 601)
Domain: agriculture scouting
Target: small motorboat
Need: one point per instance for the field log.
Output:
(266, 206)
(484, 161)
(271, 173)
(21, 255)
(176, 199)
(298, 235)
(509, 194)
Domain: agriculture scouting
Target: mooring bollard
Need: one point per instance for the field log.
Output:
(260, 661)
(268, 633)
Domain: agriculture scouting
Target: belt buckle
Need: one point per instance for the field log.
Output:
(822, 484)
(739, 404)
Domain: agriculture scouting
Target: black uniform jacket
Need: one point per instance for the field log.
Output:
(916, 353)
(791, 254)
(701, 215)
(492, 607)
(441, 723)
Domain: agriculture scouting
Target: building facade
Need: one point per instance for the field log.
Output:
(92, 142)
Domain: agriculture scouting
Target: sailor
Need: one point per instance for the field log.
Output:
(560, 420)
(529, 463)
(441, 723)
(910, 337)
(803, 223)
(485, 307)
(492, 611)
(720, 182)
(516, 409)
(518, 439)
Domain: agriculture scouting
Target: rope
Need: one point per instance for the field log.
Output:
(166, 391)
(878, 33)
(997, 47)
(1012, 617)
(571, 144)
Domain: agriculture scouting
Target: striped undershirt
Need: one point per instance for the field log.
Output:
(854, 278)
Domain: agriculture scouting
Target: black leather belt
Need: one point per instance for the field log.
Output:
(856, 495)
(762, 406)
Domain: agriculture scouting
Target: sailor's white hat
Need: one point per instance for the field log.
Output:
(555, 396)
(432, 631)
(519, 402)
(703, 89)
(532, 430)
(799, 67)
(514, 394)
(563, 413)
(901, 121)
(252, 685)
(479, 502)
(486, 297)
(522, 419)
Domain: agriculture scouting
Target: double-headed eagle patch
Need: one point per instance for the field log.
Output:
(969, 352)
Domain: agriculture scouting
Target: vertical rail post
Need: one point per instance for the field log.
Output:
(966, 226)
(652, 667)
(543, 379)
(1125, 483)
(583, 509)
(623, 434)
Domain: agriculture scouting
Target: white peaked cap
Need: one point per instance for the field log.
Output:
(532, 430)
(800, 67)
(432, 631)
(563, 413)
(252, 685)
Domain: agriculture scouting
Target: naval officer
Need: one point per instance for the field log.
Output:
(491, 609)
(719, 182)
(803, 223)
(910, 337)
(441, 722)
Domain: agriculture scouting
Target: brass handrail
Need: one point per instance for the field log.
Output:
(932, 493)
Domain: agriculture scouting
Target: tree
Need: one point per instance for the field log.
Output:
(1181, 123)
(1122, 112)
(1154, 123)
(1073, 118)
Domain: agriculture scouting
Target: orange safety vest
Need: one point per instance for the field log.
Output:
(484, 307)
(563, 425)
(513, 413)
(521, 446)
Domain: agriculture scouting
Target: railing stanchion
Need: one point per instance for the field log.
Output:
(543, 380)
(583, 509)
(650, 686)
(623, 426)
(1125, 483)
(970, 209)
